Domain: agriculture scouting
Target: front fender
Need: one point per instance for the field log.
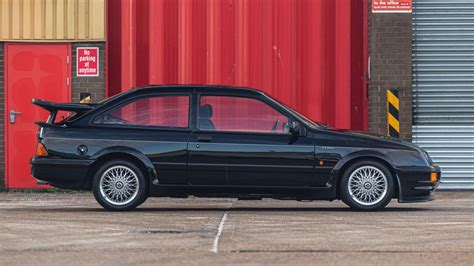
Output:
(362, 154)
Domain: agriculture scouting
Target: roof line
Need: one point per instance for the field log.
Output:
(214, 86)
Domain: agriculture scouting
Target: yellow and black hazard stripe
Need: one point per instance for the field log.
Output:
(393, 111)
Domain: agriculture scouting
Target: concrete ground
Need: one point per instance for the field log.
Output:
(65, 229)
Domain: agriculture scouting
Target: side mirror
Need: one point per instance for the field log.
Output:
(294, 128)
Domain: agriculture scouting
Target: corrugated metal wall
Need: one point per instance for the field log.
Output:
(308, 54)
(52, 20)
(443, 86)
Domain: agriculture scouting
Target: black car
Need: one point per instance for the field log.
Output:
(213, 141)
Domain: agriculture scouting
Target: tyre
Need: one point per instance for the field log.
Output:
(119, 185)
(367, 186)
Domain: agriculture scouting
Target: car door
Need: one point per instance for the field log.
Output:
(244, 141)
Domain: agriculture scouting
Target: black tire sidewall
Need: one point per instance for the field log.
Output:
(346, 197)
(142, 191)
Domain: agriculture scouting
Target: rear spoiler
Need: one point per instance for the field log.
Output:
(53, 108)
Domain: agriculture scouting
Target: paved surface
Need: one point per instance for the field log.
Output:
(64, 229)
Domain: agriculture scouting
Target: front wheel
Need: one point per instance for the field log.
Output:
(367, 186)
(119, 185)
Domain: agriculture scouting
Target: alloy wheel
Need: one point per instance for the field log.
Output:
(367, 185)
(119, 185)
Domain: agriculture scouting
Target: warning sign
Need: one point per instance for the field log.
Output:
(87, 61)
(391, 6)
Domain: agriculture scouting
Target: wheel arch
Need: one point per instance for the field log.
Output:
(124, 153)
(346, 162)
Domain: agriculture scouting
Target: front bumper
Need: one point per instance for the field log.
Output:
(62, 173)
(415, 184)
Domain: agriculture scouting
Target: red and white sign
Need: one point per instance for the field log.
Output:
(87, 61)
(391, 6)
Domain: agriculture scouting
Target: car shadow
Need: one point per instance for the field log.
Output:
(214, 209)
(272, 209)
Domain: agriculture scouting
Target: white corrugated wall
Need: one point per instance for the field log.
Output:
(443, 86)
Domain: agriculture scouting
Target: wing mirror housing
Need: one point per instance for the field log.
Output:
(294, 128)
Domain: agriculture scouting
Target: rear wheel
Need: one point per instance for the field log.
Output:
(367, 186)
(119, 185)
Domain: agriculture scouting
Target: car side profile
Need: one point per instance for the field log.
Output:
(214, 141)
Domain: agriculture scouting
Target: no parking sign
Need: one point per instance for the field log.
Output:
(87, 61)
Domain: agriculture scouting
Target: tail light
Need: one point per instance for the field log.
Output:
(41, 150)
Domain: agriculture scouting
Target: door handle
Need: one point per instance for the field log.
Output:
(13, 114)
(204, 138)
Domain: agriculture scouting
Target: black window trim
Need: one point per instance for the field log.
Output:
(136, 98)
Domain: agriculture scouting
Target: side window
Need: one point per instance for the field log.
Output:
(157, 111)
(224, 113)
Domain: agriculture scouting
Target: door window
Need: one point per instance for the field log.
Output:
(226, 113)
(157, 111)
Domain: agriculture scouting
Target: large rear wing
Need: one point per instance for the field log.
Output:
(53, 108)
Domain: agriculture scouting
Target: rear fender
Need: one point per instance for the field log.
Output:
(150, 169)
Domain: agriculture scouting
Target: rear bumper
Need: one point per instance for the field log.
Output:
(62, 173)
(415, 184)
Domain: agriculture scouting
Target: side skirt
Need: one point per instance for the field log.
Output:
(244, 192)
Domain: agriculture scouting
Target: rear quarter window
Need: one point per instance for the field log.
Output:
(156, 111)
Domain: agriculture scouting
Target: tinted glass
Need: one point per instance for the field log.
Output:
(224, 113)
(159, 111)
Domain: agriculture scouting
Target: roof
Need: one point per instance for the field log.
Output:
(139, 91)
(198, 88)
